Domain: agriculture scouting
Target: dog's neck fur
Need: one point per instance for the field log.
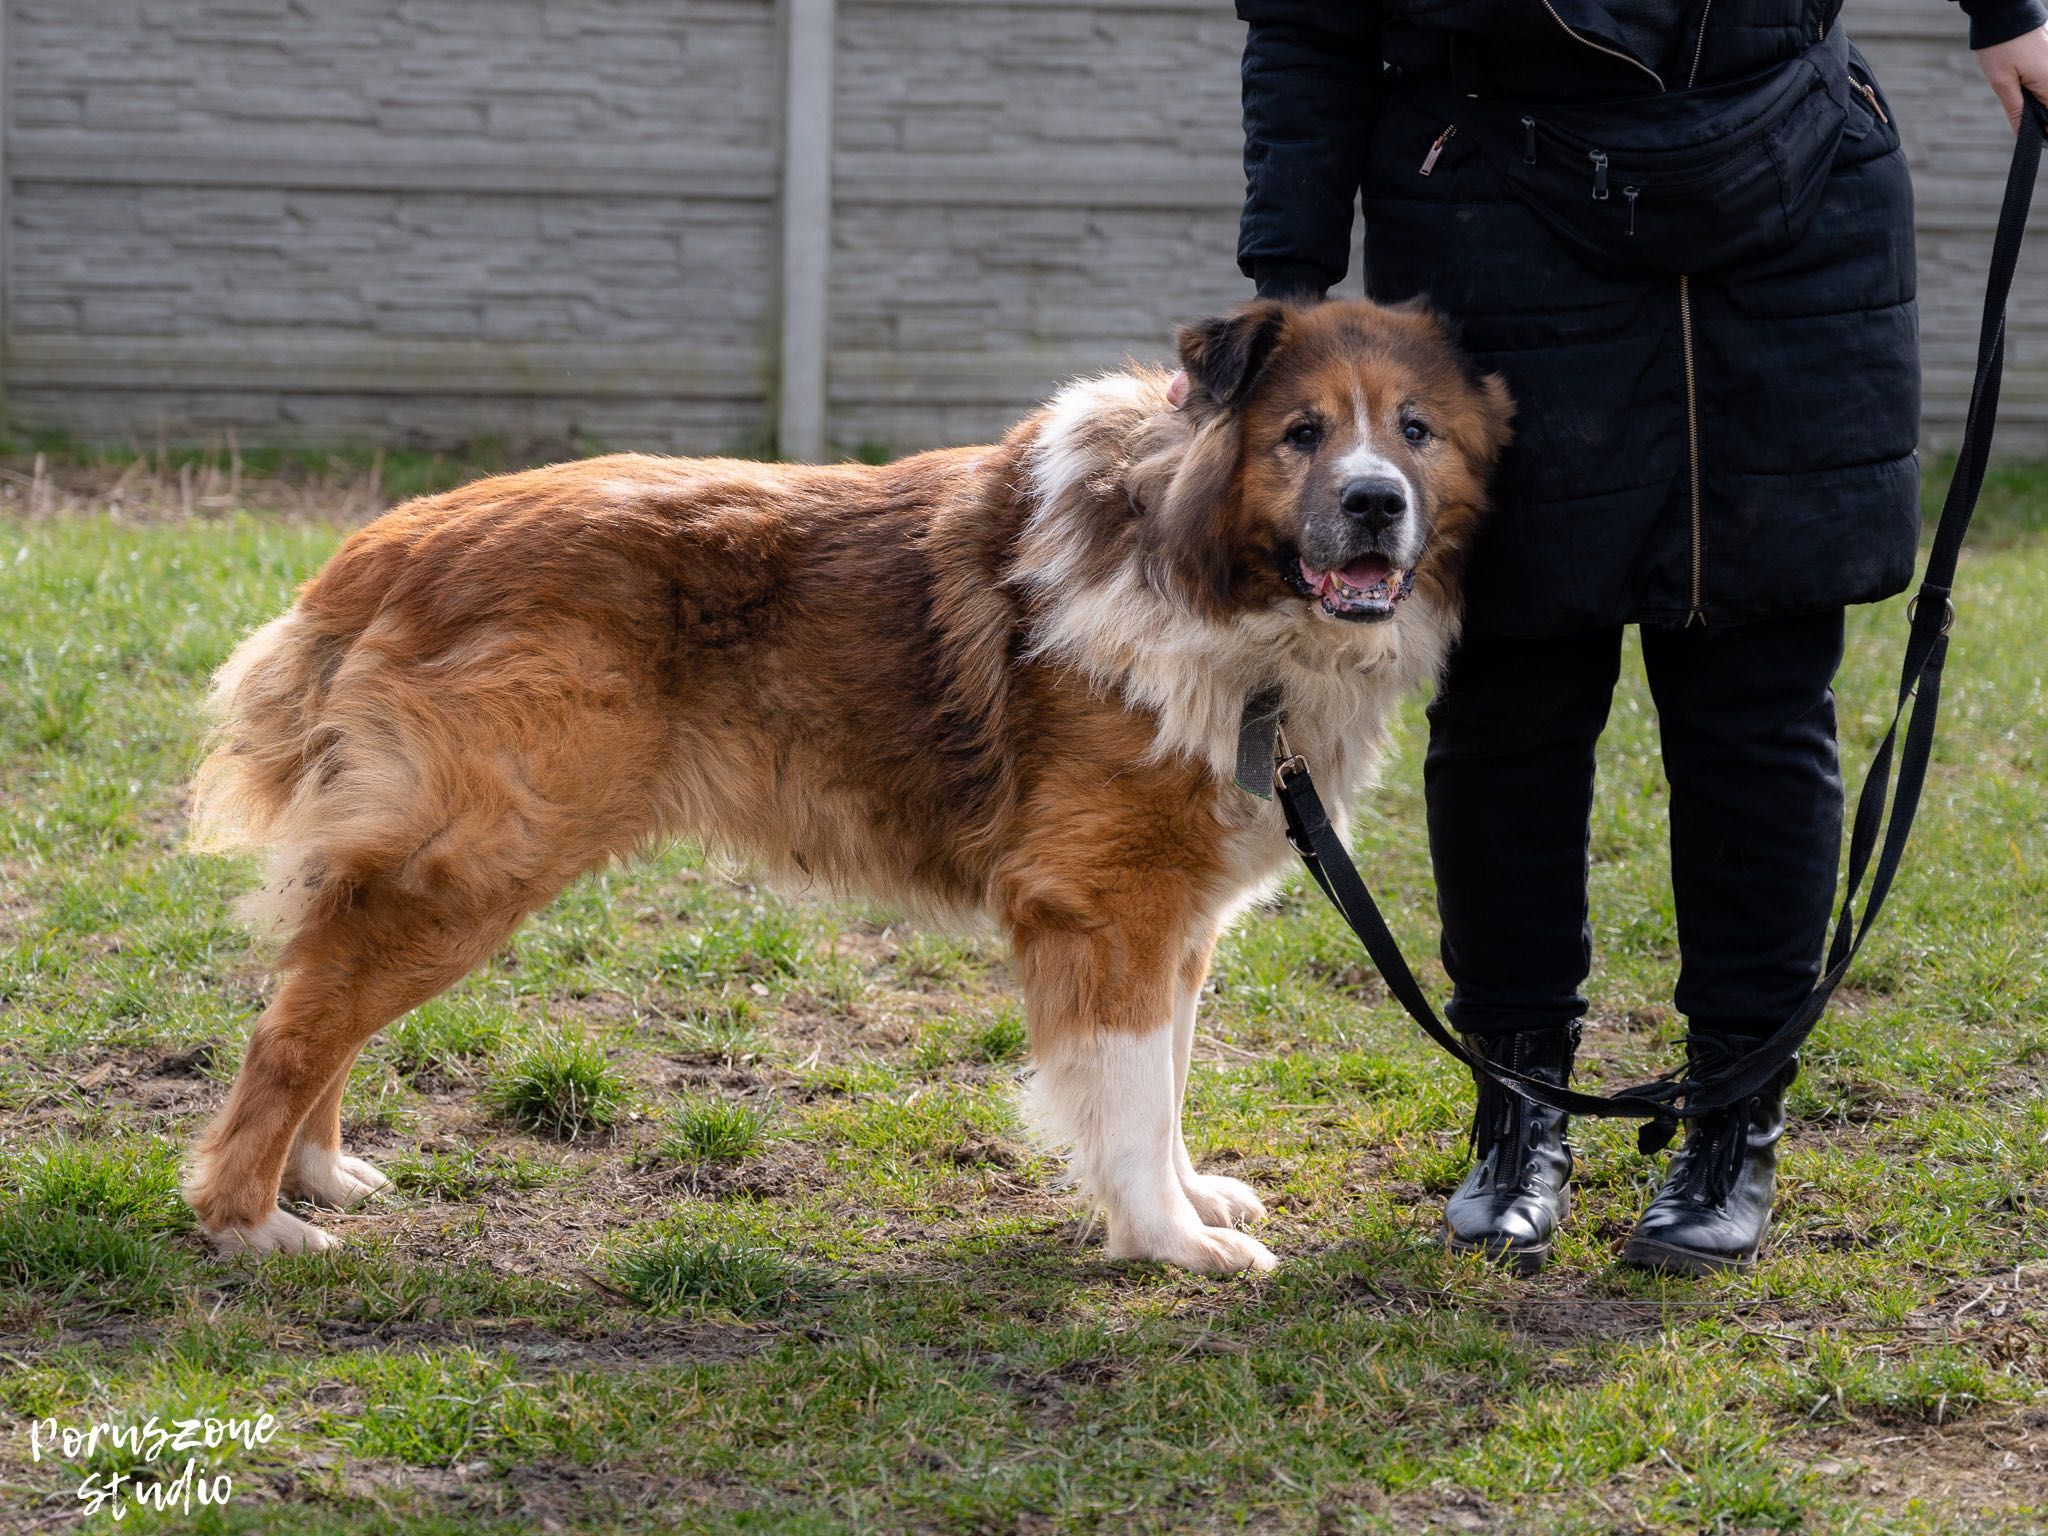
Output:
(1099, 606)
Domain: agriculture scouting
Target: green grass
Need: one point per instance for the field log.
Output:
(447, 1035)
(88, 1223)
(711, 1210)
(560, 1084)
(712, 1132)
(683, 1272)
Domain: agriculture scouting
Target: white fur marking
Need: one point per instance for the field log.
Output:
(280, 1232)
(327, 1176)
(1219, 1201)
(1109, 1096)
(1366, 461)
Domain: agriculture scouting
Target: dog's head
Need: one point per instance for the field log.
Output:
(1335, 458)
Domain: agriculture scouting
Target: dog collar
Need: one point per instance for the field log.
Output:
(1258, 735)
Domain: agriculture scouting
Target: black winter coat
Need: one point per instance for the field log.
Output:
(1719, 448)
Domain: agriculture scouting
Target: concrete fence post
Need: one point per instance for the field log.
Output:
(806, 226)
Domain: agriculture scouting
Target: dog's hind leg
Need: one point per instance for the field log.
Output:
(1105, 1042)
(317, 1170)
(348, 974)
(1220, 1201)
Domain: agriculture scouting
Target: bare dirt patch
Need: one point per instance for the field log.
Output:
(1980, 1466)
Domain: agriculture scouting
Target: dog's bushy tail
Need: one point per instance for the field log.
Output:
(282, 773)
(263, 706)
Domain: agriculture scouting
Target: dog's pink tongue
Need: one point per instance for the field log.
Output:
(1367, 572)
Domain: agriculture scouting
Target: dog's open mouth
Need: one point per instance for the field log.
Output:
(1365, 590)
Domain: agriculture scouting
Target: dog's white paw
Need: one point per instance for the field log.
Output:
(1206, 1250)
(282, 1232)
(332, 1178)
(1220, 1201)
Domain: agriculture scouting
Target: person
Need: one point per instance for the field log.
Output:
(1722, 454)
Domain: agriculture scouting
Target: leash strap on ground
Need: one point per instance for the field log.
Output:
(1884, 809)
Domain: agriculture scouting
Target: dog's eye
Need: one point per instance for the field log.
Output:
(1305, 434)
(1414, 431)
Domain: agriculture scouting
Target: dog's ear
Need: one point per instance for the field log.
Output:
(1500, 414)
(1183, 493)
(1223, 355)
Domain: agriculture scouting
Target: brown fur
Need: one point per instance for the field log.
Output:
(828, 670)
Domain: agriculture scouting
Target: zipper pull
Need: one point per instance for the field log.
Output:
(1528, 141)
(1599, 159)
(1630, 194)
(1429, 160)
(1870, 95)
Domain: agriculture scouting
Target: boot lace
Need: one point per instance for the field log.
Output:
(1496, 1113)
(1499, 1113)
(1706, 1165)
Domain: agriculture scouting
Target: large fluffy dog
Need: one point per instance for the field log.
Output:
(1003, 681)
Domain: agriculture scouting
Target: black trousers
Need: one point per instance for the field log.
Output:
(1747, 721)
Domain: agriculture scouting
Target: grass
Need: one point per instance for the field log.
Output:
(561, 1085)
(714, 1131)
(711, 1210)
(683, 1272)
(87, 1223)
(445, 1036)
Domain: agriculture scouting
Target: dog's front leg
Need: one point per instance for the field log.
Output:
(1104, 1040)
(1219, 1200)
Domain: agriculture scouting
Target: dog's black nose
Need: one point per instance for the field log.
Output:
(1375, 500)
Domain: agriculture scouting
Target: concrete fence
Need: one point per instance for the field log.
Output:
(695, 224)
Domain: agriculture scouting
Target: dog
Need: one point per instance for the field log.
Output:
(1004, 682)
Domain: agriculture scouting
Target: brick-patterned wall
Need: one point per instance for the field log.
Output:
(432, 219)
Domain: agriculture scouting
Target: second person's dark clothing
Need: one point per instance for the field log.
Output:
(1747, 718)
(1733, 447)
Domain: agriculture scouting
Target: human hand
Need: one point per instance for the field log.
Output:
(2017, 69)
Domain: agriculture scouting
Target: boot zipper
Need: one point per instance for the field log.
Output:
(1692, 445)
(1429, 160)
(1612, 53)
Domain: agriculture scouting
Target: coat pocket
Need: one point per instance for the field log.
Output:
(1694, 181)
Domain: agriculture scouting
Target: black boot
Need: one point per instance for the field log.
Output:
(1519, 1190)
(1715, 1205)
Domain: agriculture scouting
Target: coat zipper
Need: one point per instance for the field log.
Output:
(1692, 404)
(1869, 94)
(1699, 49)
(1612, 53)
(1429, 160)
(1696, 612)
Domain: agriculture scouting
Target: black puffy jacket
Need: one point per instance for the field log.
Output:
(1726, 446)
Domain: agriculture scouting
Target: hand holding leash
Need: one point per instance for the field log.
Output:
(2018, 70)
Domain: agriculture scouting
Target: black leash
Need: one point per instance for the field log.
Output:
(1884, 809)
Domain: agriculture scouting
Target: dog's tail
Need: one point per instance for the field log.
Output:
(283, 770)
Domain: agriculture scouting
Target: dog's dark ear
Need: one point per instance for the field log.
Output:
(1223, 355)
